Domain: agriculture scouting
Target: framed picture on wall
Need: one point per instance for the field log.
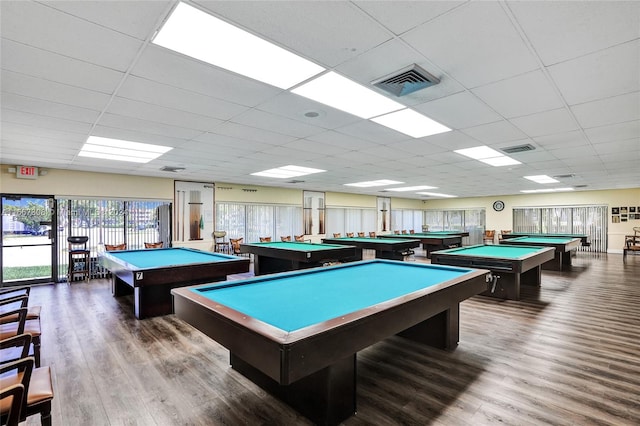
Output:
(615, 219)
(623, 210)
(615, 210)
(193, 211)
(313, 213)
(632, 209)
(384, 214)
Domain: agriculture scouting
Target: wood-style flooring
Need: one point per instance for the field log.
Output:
(568, 353)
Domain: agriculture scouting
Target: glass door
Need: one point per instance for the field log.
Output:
(28, 239)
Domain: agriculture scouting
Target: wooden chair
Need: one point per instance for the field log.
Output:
(235, 246)
(349, 234)
(219, 243)
(13, 322)
(19, 297)
(115, 247)
(153, 245)
(396, 232)
(79, 258)
(411, 231)
(11, 409)
(372, 234)
(632, 242)
(500, 236)
(265, 239)
(300, 238)
(37, 383)
(337, 235)
(488, 236)
(360, 234)
(285, 239)
(404, 232)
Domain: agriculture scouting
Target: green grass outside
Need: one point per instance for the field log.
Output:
(24, 272)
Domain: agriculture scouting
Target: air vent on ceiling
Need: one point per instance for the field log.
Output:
(295, 181)
(172, 169)
(518, 148)
(580, 186)
(407, 80)
(569, 176)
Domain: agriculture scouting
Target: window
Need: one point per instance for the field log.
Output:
(252, 221)
(471, 221)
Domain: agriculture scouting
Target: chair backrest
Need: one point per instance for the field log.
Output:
(285, 239)
(12, 413)
(77, 243)
(396, 232)
(337, 235)
(411, 231)
(372, 234)
(235, 244)
(404, 231)
(265, 239)
(299, 238)
(115, 247)
(360, 234)
(153, 245)
(349, 234)
(489, 233)
(219, 235)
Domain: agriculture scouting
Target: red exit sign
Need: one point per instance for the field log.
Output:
(27, 172)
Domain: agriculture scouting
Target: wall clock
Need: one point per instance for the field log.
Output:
(498, 206)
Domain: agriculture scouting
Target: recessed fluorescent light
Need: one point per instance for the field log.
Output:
(487, 155)
(437, 194)
(479, 152)
(195, 33)
(411, 188)
(121, 150)
(541, 179)
(286, 172)
(341, 93)
(372, 183)
(500, 161)
(411, 123)
(531, 191)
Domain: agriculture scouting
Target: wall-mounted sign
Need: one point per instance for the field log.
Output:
(26, 172)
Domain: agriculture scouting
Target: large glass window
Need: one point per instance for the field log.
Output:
(471, 221)
(589, 220)
(252, 221)
(406, 220)
(343, 220)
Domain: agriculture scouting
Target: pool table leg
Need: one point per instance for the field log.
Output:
(326, 397)
(441, 330)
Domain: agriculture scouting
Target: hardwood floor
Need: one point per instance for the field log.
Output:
(567, 354)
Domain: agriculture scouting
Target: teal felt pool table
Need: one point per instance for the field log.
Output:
(296, 334)
(279, 256)
(151, 274)
(432, 241)
(386, 248)
(562, 245)
(584, 238)
(514, 265)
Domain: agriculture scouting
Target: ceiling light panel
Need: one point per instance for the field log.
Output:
(121, 150)
(479, 152)
(411, 123)
(341, 93)
(500, 161)
(411, 188)
(541, 179)
(286, 172)
(372, 183)
(437, 194)
(199, 35)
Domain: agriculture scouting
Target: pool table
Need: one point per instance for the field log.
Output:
(296, 334)
(279, 256)
(386, 248)
(432, 241)
(514, 265)
(151, 274)
(584, 238)
(562, 245)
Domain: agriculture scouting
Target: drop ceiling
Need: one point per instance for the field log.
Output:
(561, 76)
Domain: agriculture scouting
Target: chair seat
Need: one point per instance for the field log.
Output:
(40, 386)
(31, 327)
(33, 312)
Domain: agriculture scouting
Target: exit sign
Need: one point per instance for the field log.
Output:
(27, 172)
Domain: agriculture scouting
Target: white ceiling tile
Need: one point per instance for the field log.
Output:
(603, 74)
(500, 131)
(458, 111)
(559, 140)
(146, 126)
(33, 87)
(50, 66)
(487, 46)
(44, 122)
(26, 23)
(134, 18)
(276, 124)
(618, 109)
(613, 132)
(251, 133)
(561, 30)
(522, 95)
(546, 123)
(48, 109)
